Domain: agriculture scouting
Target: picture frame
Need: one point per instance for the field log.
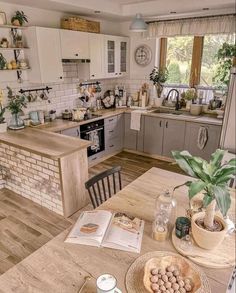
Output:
(3, 18)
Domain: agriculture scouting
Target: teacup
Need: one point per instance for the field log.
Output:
(107, 284)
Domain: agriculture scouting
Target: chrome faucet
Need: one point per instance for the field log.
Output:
(177, 104)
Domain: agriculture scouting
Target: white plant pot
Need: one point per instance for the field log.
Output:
(188, 105)
(3, 127)
(207, 239)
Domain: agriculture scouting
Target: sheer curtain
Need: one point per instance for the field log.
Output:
(194, 26)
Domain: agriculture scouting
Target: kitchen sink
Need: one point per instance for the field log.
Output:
(170, 112)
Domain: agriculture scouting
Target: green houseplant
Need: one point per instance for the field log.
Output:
(212, 178)
(3, 124)
(15, 105)
(158, 77)
(19, 18)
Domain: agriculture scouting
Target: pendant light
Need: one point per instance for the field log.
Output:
(138, 24)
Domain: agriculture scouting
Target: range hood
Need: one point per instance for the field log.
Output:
(79, 61)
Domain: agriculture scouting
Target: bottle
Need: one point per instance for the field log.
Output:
(165, 202)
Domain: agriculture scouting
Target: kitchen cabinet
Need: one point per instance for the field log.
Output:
(114, 134)
(153, 135)
(74, 44)
(133, 139)
(96, 48)
(191, 137)
(173, 136)
(116, 56)
(44, 55)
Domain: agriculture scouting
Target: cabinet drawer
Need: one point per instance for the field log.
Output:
(95, 157)
(113, 145)
(109, 120)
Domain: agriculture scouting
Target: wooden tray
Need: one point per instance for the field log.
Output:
(134, 276)
(220, 258)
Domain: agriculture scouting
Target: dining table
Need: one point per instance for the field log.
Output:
(61, 267)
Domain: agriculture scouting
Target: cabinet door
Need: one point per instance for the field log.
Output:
(96, 47)
(74, 44)
(153, 135)
(123, 56)
(191, 137)
(173, 138)
(114, 132)
(130, 138)
(111, 56)
(44, 55)
(140, 136)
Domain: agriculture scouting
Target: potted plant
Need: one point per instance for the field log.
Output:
(3, 124)
(189, 96)
(19, 18)
(158, 77)
(15, 105)
(212, 177)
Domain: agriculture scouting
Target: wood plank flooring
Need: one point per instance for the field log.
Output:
(25, 226)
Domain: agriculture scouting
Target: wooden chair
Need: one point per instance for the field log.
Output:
(103, 186)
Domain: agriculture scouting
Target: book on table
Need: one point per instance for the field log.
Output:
(103, 228)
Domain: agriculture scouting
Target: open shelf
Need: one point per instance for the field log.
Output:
(12, 49)
(18, 69)
(9, 26)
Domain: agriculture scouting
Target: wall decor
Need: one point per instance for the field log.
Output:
(143, 55)
(3, 18)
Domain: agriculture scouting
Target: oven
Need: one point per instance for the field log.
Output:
(94, 132)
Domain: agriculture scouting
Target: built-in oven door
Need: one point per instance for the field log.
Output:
(96, 136)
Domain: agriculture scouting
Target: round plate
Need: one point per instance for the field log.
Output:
(143, 55)
(134, 276)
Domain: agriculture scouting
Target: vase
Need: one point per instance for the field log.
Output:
(16, 122)
(159, 89)
(188, 105)
(3, 127)
(204, 238)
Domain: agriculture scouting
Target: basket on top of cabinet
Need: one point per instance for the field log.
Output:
(80, 24)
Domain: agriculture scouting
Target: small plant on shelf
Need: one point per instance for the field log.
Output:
(19, 18)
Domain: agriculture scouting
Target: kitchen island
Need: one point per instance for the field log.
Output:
(47, 168)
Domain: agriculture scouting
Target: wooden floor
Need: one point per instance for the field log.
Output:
(26, 226)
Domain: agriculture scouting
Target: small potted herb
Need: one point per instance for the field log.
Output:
(189, 96)
(19, 18)
(3, 124)
(159, 76)
(15, 105)
(212, 179)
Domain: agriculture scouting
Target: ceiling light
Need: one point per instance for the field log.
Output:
(138, 24)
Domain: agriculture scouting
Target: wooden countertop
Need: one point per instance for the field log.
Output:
(51, 145)
(61, 267)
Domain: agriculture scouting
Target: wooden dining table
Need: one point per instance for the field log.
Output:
(61, 267)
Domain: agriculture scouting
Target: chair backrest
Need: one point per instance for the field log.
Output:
(227, 157)
(103, 186)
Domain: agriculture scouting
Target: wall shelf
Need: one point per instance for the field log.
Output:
(12, 49)
(9, 26)
(18, 69)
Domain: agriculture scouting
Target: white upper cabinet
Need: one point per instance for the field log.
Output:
(74, 45)
(96, 47)
(116, 56)
(44, 55)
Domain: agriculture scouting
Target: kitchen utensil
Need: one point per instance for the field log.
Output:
(67, 115)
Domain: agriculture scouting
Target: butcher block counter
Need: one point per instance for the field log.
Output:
(47, 168)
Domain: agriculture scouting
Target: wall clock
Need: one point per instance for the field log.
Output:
(143, 55)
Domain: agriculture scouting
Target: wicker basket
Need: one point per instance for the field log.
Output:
(80, 24)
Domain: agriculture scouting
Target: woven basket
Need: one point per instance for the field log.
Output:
(80, 24)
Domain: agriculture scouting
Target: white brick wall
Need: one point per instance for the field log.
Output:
(32, 176)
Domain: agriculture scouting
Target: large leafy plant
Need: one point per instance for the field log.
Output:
(212, 178)
(159, 76)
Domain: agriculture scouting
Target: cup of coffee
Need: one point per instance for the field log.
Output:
(107, 284)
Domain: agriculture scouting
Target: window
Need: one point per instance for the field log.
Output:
(178, 59)
(209, 64)
(192, 61)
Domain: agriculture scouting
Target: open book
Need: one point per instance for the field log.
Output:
(102, 228)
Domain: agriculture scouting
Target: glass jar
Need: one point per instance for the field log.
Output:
(165, 202)
(160, 226)
(16, 122)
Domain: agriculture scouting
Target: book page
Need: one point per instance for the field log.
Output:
(124, 231)
(91, 226)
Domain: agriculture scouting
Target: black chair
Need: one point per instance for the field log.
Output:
(103, 186)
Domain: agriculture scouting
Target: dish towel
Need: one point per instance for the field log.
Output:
(202, 137)
(94, 138)
(135, 122)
